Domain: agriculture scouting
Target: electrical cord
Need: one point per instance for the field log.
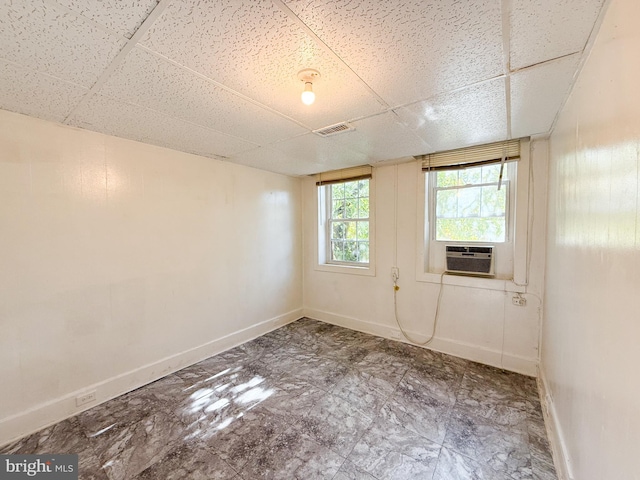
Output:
(435, 317)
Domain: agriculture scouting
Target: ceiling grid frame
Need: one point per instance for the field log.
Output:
(425, 117)
(122, 54)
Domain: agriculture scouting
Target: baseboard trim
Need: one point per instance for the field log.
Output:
(41, 416)
(554, 430)
(476, 353)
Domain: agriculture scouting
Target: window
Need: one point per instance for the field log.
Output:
(348, 222)
(468, 205)
(463, 206)
(345, 227)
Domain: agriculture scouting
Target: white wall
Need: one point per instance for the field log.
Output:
(591, 332)
(477, 319)
(122, 262)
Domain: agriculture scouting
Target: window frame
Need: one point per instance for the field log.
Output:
(330, 221)
(432, 205)
(517, 248)
(323, 242)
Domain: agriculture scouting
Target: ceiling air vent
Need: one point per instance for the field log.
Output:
(334, 129)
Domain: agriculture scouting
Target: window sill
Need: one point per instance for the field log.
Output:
(498, 284)
(369, 271)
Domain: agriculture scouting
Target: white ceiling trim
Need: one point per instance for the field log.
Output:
(119, 59)
(222, 86)
(506, 55)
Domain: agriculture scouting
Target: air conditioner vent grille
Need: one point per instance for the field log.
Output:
(469, 260)
(334, 129)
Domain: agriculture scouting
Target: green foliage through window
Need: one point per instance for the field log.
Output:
(349, 221)
(468, 205)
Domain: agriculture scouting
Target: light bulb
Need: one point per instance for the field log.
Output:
(308, 97)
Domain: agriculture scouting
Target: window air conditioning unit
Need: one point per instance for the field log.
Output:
(469, 260)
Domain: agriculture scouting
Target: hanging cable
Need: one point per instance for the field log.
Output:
(435, 317)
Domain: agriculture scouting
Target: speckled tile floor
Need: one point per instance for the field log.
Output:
(314, 401)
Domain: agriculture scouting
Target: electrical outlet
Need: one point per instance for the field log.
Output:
(86, 398)
(396, 335)
(519, 300)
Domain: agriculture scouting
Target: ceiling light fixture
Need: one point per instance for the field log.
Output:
(308, 76)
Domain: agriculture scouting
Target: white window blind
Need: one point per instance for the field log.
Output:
(344, 175)
(472, 156)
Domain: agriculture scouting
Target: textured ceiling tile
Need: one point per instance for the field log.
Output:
(38, 36)
(108, 116)
(475, 115)
(324, 153)
(257, 50)
(410, 50)
(121, 16)
(146, 80)
(542, 30)
(272, 160)
(35, 94)
(383, 137)
(537, 93)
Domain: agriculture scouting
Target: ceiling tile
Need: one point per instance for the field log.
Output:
(542, 30)
(121, 16)
(151, 82)
(36, 94)
(537, 93)
(109, 116)
(410, 50)
(257, 50)
(270, 159)
(41, 37)
(383, 137)
(321, 154)
(471, 116)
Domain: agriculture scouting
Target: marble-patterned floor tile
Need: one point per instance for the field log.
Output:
(293, 455)
(323, 373)
(194, 461)
(454, 466)
(543, 470)
(293, 399)
(383, 365)
(364, 391)
(90, 468)
(348, 471)
(389, 451)
(297, 401)
(125, 450)
(418, 412)
(167, 390)
(123, 410)
(259, 346)
(287, 359)
(435, 383)
(247, 436)
(430, 360)
(336, 424)
(214, 407)
(225, 360)
(484, 395)
(503, 448)
(64, 437)
(504, 380)
(538, 440)
(344, 352)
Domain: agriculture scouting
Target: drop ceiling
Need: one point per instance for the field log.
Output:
(219, 78)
